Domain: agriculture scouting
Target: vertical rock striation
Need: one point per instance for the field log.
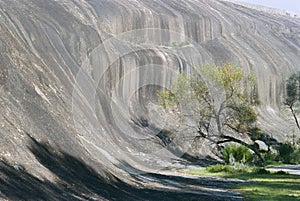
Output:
(81, 76)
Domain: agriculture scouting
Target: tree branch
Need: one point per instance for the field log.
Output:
(294, 115)
(232, 139)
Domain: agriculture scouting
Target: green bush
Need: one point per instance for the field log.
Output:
(295, 157)
(289, 154)
(285, 151)
(228, 168)
(241, 154)
(220, 168)
(270, 157)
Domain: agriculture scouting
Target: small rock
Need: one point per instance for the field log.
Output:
(262, 146)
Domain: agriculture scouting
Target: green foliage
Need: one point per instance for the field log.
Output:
(223, 95)
(293, 95)
(228, 76)
(166, 99)
(220, 168)
(289, 153)
(295, 157)
(270, 158)
(292, 89)
(245, 114)
(285, 152)
(198, 96)
(237, 84)
(241, 154)
(245, 117)
(178, 93)
(263, 185)
(256, 133)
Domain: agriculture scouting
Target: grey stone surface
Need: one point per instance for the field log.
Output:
(262, 146)
(81, 76)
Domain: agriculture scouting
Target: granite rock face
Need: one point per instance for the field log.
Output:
(81, 76)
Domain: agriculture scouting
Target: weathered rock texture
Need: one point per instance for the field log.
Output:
(80, 78)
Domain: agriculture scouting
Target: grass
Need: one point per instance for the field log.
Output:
(266, 186)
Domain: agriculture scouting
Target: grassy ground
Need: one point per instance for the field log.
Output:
(265, 187)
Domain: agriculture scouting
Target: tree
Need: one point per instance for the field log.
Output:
(293, 95)
(218, 103)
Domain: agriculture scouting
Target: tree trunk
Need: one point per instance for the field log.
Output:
(295, 117)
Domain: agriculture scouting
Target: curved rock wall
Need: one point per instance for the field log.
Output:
(82, 76)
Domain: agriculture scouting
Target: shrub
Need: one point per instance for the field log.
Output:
(220, 168)
(289, 153)
(238, 168)
(295, 156)
(241, 154)
(285, 150)
(270, 157)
